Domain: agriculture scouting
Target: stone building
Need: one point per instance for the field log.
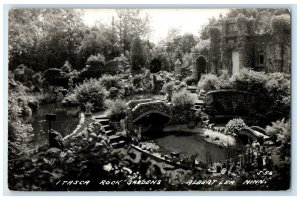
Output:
(237, 43)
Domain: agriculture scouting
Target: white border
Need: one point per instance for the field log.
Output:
(212, 4)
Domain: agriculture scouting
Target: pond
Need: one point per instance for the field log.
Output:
(66, 121)
(192, 144)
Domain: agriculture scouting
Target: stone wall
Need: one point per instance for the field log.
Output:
(233, 103)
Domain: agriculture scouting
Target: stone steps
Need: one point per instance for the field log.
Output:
(106, 127)
(118, 144)
(192, 89)
(103, 121)
(99, 117)
(198, 104)
(115, 138)
(109, 132)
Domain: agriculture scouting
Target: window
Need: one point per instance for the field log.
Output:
(261, 59)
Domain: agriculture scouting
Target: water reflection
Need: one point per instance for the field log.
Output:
(192, 144)
(66, 121)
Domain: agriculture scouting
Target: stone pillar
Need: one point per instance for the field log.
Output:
(194, 64)
(278, 61)
(177, 69)
(194, 70)
(242, 52)
(214, 53)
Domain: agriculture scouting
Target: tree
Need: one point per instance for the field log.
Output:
(188, 41)
(93, 43)
(137, 54)
(44, 38)
(22, 35)
(62, 32)
(131, 24)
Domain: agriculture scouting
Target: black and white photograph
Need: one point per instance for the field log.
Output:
(149, 99)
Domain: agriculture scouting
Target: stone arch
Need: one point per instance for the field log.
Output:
(201, 64)
(152, 112)
(148, 113)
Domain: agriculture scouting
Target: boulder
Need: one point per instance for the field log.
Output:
(33, 104)
(53, 150)
(93, 135)
(98, 146)
(57, 77)
(56, 140)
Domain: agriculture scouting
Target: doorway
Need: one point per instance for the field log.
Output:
(201, 66)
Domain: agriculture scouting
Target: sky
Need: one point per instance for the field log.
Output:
(188, 20)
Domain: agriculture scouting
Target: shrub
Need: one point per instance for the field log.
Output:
(249, 80)
(94, 60)
(19, 134)
(208, 82)
(235, 125)
(95, 67)
(109, 81)
(168, 89)
(189, 80)
(183, 100)
(117, 109)
(224, 82)
(280, 130)
(70, 100)
(55, 76)
(91, 91)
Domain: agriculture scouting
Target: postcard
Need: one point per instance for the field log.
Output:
(149, 99)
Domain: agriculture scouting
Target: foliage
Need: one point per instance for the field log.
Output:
(281, 24)
(242, 22)
(187, 60)
(235, 125)
(91, 91)
(189, 80)
(55, 76)
(94, 67)
(131, 23)
(208, 82)
(249, 80)
(273, 87)
(188, 41)
(70, 100)
(99, 40)
(168, 88)
(214, 34)
(117, 109)
(280, 130)
(19, 133)
(183, 100)
(109, 81)
(137, 54)
(44, 38)
(278, 88)
(96, 60)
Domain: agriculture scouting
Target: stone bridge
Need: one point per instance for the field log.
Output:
(251, 134)
(140, 109)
